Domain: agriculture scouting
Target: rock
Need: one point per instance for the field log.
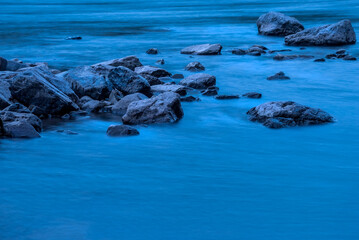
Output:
(95, 106)
(349, 58)
(3, 102)
(252, 95)
(121, 130)
(74, 38)
(14, 66)
(287, 114)
(190, 99)
(121, 106)
(160, 62)
(280, 57)
(259, 46)
(341, 33)
(203, 49)
(199, 81)
(153, 71)
(282, 50)
(239, 51)
(177, 76)
(77, 114)
(331, 56)
(319, 60)
(195, 67)
(341, 51)
(278, 76)
(115, 96)
(8, 117)
(128, 82)
(226, 97)
(17, 107)
(181, 90)
(152, 51)
(211, 91)
(256, 49)
(2, 129)
(164, 108)
(278, 24)
(254, 54)
(19, 129)
(3, 64)
(68, 132)
(30, 88)
(130, 62)
(152, 80)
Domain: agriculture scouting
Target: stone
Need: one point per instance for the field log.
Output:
(349, 58)
(341, 33)
(19, 129)
(121, 131)
(195, 67)
(190, 99)
(181, 90)
(211, 91)
(17, 107)
(256, 49)
(282, 50)
(239, 51)
(160, 62)
(152, 51)
(3, 64)
(199, 81)
(121, 106)
(280, 57)
(8, 116)
(115, 96)
(152, 80)
(131, 62)
(164, 108)
(278, 76)
(153, 71)
(319, 60)
(177, 76)
(14, 66)
(254, 95)
(74, 38)
(278, 24)
(331, 56)
(203, 49)
(96, 106)
(287, 114)
(341, 51)
(226, 97)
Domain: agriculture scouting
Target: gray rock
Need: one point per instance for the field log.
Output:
(226, 97)
(278, 24)
(3, 64)
(341, 33)
(96, 106)
(8, 116)
(121, 131)
(287, 114)
(199, 81)
(4, 102)
(17, 107)
(195, 67)
(14, 66)
(181, 90)
(190, 99)
(319, 60)
(349, 58)
(255, 48)
(254, 95)
(128, 82)
(164, 108)
(151, 79)
(280, 57)
(278, 76)
(115, 96)
(121, 106)
(152, 51)
(239, 51)
(153, 71)
(130, 62)
(211, 91)
(203, 49)
(177, 76)
(19, 129)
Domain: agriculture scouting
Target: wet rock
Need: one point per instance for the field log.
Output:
(254, 54)
(349, 58)
(130, 62)
(164, 108)
(287, 114)
(259, 46)
(239, 51)
(341, 51)
(115, 96)
(203, 49)
(195, 67)
(152, 51)
(331, 56)
(190, 99)
(68, 132)
(226, 97)
(17, 107)
(152, 80)
(181, 90)
(160, 62)
(278, 24)
(278, 76)
(121, 106)
(282, 50)
(74, 38)
(3, 64)
(77, 114)
(128, 82)
(121, 131)
(177, 76)
(280, 57)
(19, 129)
(211, 91)
(254, 95)
(319, 60)
(14, 66)
(256, 49)
(340, 33)
(96, 106)
(153, 71)
(199, 81)
(8, 117)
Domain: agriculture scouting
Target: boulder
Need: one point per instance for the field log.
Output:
(121, 106)
(252, 95)
(278, 24)
(195, 67)
(121, 131)
(152, 51)
(3, 102)
(128, 82)
(3, 64)
(19, 129)
(164, 108)
(153, 71)
(151, 79)
(14, 66)
(226, 97)
(181, 90)
(17, 107)
(199, 81)
(341, 33)
(8, 116)
(211, 91)
(349, 58)
(115, 96)
(280, 57)
(278, 76)
(96, 106)
(239, 51)
(130, 62)
(203, 49)
(287, 114)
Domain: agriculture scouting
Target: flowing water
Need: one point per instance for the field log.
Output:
(214, 175)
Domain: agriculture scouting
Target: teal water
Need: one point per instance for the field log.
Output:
(214, 175)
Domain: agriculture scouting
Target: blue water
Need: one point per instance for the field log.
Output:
(214, 175)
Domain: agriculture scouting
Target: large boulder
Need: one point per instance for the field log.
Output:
(278, 24)
(9, 116)
(128, 82)
(341, 33)
(19, 129)
(161, 88)
(164, 108)
(30, 88)
(130, 62)
(153, 71)
(121, 131)
(199, 81)
(121, 106)
(287, 114)
(203, 49)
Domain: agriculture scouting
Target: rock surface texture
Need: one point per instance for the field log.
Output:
(278, 24)
(203, 49)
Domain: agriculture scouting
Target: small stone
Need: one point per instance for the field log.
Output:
(74, 38)
(121, 131)
(226, 97)
(254, 95)
(319, 60)
(177, 76)
(278, 76)
(195, 67)
(152, 51)
(160, 62)
(190, 99)
(239, 51)
(349, 58)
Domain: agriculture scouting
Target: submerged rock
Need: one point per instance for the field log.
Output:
(287, 114)
(164, 108)
(195, 67)
(152, 51)
(199, 81)
(239, 51)
(349, 58)
(211, 91)
(278, 76)
(160, 62)
(280, 57)
(254, 95)
(121, 130)
(226, 97)
(341, 33)
(177, 76)
(74, 38)
(319, 60)
(190, 99)
(278, 24)
(203, 49)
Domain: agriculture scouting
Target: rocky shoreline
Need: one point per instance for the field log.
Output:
(30, 93)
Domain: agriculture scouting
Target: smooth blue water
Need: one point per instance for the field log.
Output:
(214, 175)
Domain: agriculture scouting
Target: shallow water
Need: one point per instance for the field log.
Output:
(213, 175)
